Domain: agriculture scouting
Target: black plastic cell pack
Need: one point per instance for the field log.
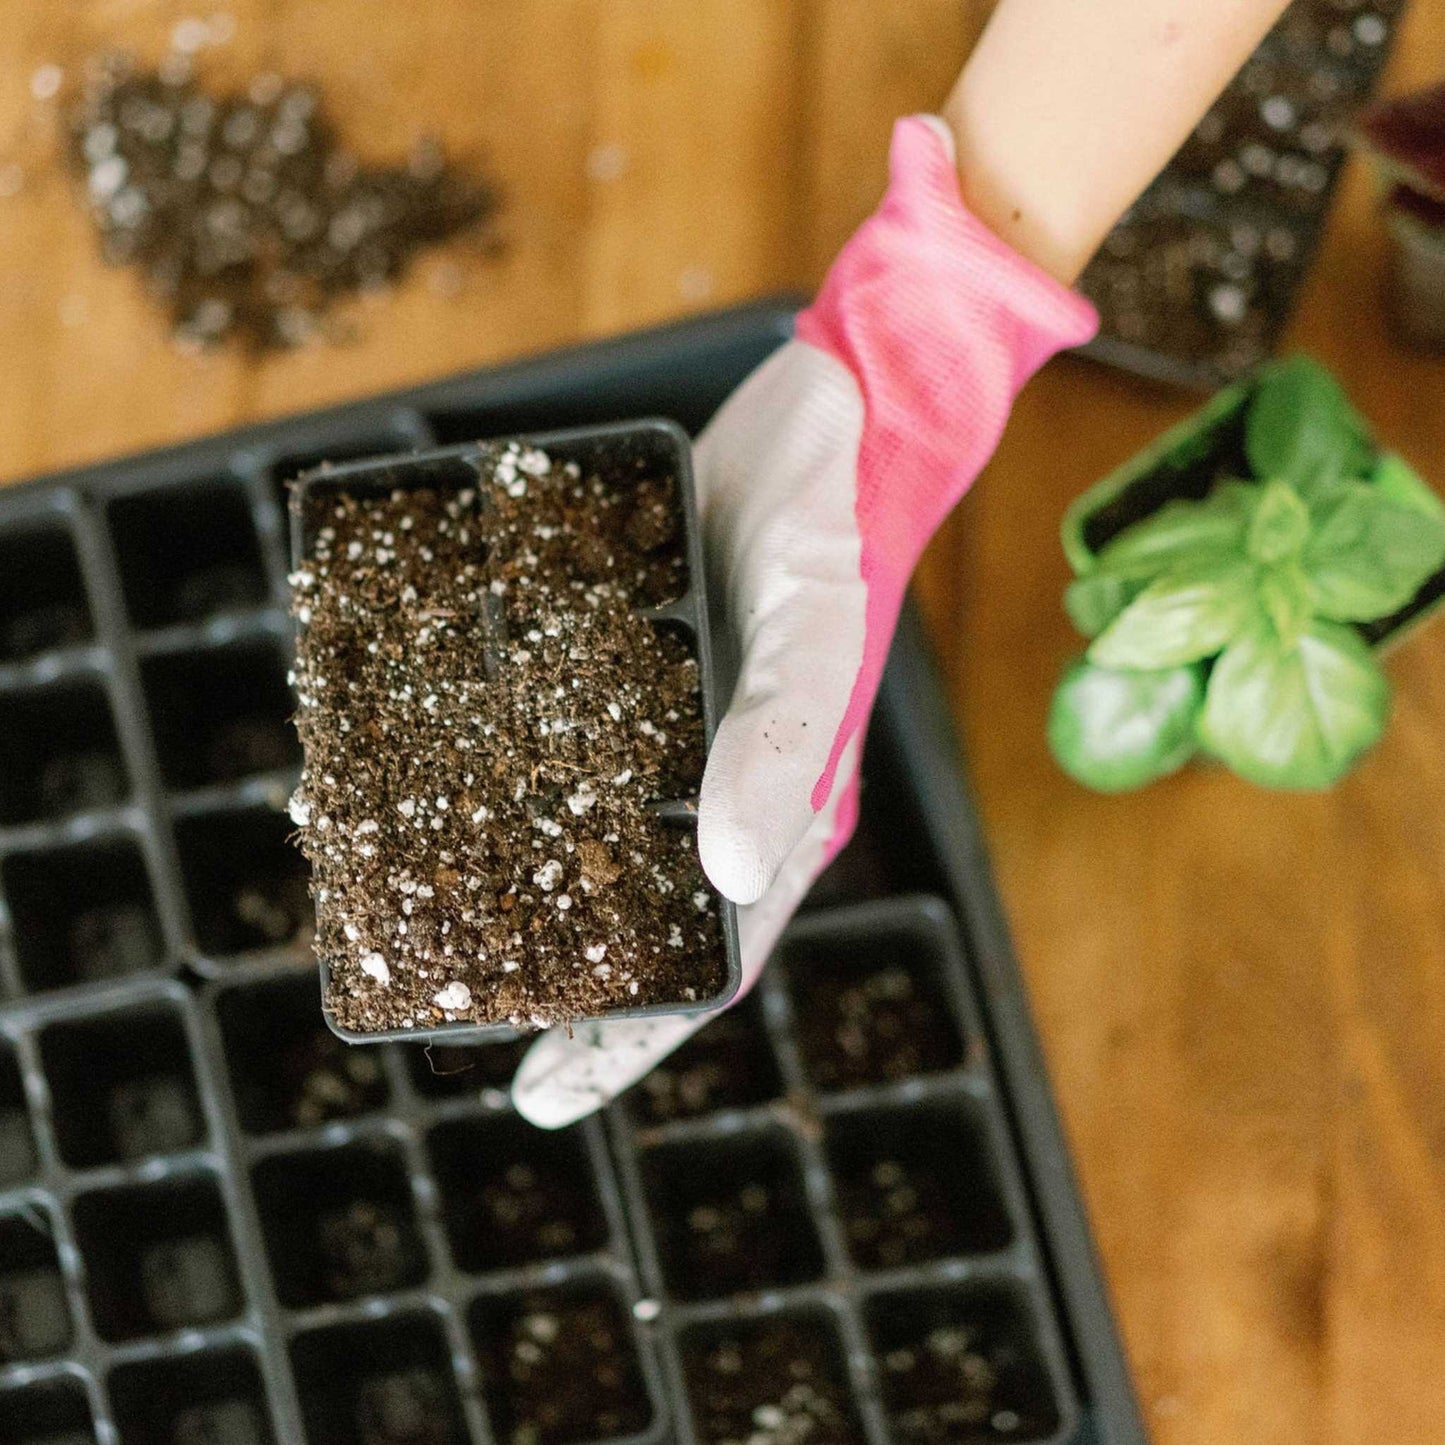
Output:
(1196, 283)
(615, 452)
(842, 1213)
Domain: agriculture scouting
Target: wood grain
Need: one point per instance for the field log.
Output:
(1242, 995)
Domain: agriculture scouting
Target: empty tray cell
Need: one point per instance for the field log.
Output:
(121, 1087)
(58, 753)
(245, 883)
(211, 1397)
(384, 1382)
(53, 1413)
(915, 1184)
(727, 1065)
(959, 1366)
(187, 553)
(18, 1159)
(780, 1378)
(559, 1367)
(339, 1223)
(221, 714)
(512, 1195)
(34, 1316)
(42, 594)
(288, 1070)
(869, 1010)
(444, 1071)
(158, 1257)
(81, 914)
(731, 1215)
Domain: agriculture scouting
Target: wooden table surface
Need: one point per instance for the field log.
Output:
(1242, 995)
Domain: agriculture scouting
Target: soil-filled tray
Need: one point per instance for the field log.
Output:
(843, 1211)
(1196, 283)
(507, 692)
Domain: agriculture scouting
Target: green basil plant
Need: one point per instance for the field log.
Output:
(1233, 624)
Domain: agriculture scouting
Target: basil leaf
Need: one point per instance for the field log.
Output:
(1280, 524)
(1369, 556)
(1294, 717)
(1112, 729)
(1397, 481)
(1302, 429)
(1094, 600)
(1181, 531)
(1188, 614)
(1285, 597)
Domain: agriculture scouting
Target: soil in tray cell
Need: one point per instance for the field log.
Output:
(187, 553)
(870, 1013)
(559, 1367)
(221, 714)
(18, 1160)
(960, 1367)
(245, 883)
(288, 1070)
(59, 753)
(731, 1216)
(512, 1195)
(122, 1087)
(778, 1380)
(34, 1315)
(339, 1223)
(385, 1382)
(213, 1397)
(914, 1185)
(484, 827)
(54, 1412)
(158, 1257)
(83, 913)
(727, 1065)
(42, 594)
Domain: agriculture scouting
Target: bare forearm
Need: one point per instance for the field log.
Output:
(1067, 109)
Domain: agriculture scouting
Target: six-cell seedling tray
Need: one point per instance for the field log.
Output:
(1196, 283)
(841, 1213)
(617, 453)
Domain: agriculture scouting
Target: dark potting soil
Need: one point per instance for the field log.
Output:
(246, 215)
(562, 1369)
(775, 1383)
(487, 722)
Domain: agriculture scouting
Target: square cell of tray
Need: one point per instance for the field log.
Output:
(512, 1195)
(288, 1070)
(122, 1087)
(560, 1366)
(83, 913)
(339, 1223)
(59, 753)
(34, 1314)
(42, 594)
(206, 1397)
(187, 553)
(158, 1257)
(731, 1215)
(53, 1412)
(382, 1382)
(220, 714)
(18, 1159)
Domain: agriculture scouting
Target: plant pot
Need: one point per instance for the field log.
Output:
(1185, 463)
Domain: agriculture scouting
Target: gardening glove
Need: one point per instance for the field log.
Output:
(820, 481)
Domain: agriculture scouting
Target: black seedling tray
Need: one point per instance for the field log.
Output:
(1196, 283)
(220, 1222)
(609, 450)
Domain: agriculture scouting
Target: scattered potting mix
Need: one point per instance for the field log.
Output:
(489, 727)
(246, 214)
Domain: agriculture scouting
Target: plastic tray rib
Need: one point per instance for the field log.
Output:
(218, 1221)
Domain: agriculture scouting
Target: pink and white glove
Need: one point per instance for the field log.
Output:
(820, 482)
